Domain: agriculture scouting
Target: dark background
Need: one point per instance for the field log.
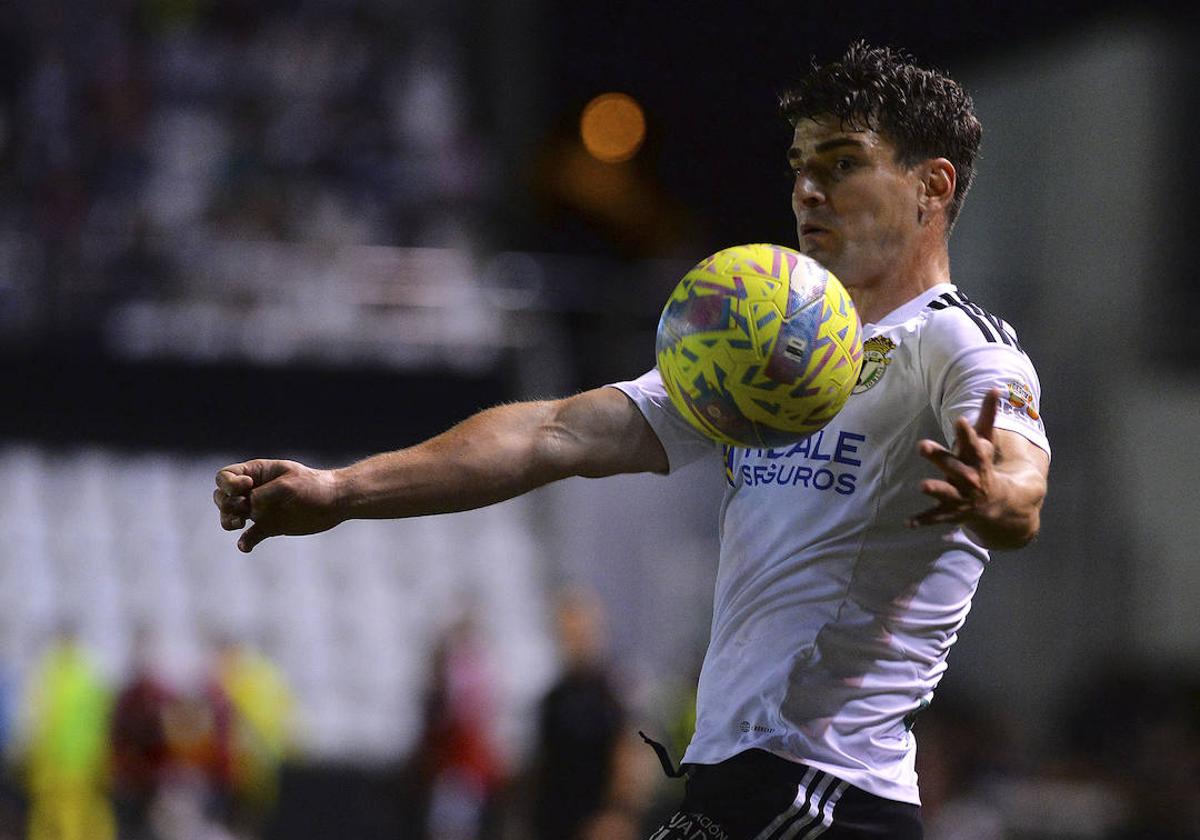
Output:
(708, 77)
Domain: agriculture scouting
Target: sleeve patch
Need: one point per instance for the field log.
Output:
(1019, 400)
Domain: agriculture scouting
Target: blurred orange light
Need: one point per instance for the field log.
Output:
(613, 127)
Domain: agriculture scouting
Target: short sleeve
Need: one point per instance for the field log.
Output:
(682, 443)
(962, 366)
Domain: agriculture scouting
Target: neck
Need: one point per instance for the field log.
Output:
(876, 296)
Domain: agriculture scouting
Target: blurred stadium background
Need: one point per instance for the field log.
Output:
(323, 228)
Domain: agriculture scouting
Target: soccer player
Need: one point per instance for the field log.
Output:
(837, 596)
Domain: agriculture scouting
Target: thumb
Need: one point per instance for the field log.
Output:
(251, 537)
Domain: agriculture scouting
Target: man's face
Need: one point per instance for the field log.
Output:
(856, 207)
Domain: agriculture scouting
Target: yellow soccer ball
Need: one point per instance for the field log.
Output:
(759, 346)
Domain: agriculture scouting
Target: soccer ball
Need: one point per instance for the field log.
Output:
(759, 346)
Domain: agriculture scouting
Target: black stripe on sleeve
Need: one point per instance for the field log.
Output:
(1007, 335)
(983, 325)
(992, 326)
(1011, 333)
(991, 319)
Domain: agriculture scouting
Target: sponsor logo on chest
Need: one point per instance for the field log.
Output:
(827, 460)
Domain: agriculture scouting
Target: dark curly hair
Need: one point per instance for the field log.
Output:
(922, 112)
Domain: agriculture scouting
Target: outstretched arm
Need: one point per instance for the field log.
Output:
(993, 481)
(492, 456)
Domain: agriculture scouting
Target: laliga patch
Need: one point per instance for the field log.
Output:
(1019, 400)
(875, 362)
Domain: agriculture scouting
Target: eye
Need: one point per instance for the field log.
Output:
(844, 164)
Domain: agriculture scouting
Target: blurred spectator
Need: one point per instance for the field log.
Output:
(460, 771)
(179, 813)
(583, 781)
(262, 731)
(199, 727)
(69, 706)
(141, 753)
(138, 126)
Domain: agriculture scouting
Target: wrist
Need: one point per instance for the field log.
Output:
(345, 493)
(1003, 529)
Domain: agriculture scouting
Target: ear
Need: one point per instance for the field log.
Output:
(936, 191)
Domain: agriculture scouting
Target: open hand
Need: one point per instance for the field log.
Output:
(968, 483)
(279, 497)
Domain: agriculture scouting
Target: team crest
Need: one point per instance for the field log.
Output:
(875, 362)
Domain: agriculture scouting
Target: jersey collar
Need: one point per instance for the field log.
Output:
(905, 311)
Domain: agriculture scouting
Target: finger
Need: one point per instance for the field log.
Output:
(251, 537)
(950, 503)
(943, 491)
(233, 522)
(235, 480)
(966, 442)
(266, 499)
(986, 422)
(252, 474)
(962, 475)
(230, 505)
(936, 516)
(927, 448)
(939, 515)
(938, 455)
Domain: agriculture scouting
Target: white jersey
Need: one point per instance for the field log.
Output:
(831, 619)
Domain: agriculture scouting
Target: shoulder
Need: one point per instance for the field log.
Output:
(952, 323)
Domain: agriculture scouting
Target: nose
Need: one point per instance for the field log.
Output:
(807, 192)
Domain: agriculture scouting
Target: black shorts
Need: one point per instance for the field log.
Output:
(758, 796)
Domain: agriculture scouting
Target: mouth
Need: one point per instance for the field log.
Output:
(808, 229)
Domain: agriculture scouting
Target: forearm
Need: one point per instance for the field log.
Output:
(494, 455)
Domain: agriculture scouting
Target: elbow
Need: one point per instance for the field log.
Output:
(555, 450)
